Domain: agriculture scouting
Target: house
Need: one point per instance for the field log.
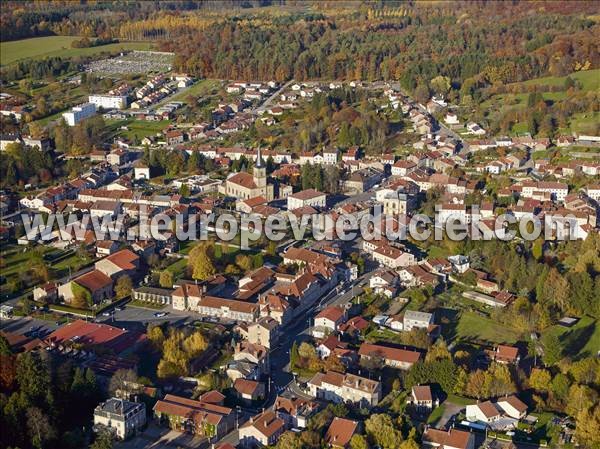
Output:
(47, 292)
(451, 119)
(391, 256)
(295, 411)
(310, 197)
(422, 398)
(513, 407)
(199, 417)
(106, 247)
(354, 326)
(250, 361)
(95, 285)
(123, 418)
(385, 282)
(249, 390)
(340, 432)
(506, 354)
(448, 439)
(222, 308)
(261, 430)
(327, 346)
(328, 321)
(394, 357)
(264, 332)
(337, 387)
(485, 412)
(124, 262)
(416, 320)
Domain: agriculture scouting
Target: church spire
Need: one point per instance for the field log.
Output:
(259, 160)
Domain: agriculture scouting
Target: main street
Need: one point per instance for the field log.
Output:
(282, 378)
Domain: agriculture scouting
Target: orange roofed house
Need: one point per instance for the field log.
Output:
(340, 432)
(261, 430)
(448, 439)
(124, 262)
(202, 417)
(95, 283)
(394, 357)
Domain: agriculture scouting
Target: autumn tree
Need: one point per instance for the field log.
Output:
(166, 279)
(123, 286)
(358, 442)
(200, 260)
(381, 431)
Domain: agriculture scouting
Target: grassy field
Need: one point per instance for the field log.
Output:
(580, 123)
(590, 80)
(137, 128)
(199, 89)
(41, 47)
(579, 341)
(474, 327)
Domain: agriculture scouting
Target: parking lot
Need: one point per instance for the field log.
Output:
(32, 327)
(158, 437)
(138, 318)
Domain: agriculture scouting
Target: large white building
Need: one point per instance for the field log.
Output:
(310, 197)
(79, 113)
(124, 418)
(109, 101)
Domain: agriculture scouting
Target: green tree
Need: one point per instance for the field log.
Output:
(440, 85)
(552, 349)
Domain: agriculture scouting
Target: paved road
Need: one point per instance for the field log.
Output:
(268, 101)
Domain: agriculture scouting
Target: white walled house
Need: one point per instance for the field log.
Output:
(310, 197)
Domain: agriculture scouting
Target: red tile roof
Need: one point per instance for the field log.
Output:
(396, 354)
(94, 334)
(450, 438)
(124, 259)
(93, 281)
(340, 432)
(332, 313)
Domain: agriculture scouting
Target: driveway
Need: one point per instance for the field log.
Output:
(450, 409)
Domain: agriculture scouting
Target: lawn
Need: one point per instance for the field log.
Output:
(590, 80)
(199, 89)
(178, 268)
(436, 414)
(474, 327)
(41, 47)
(137, 128)
(581, 340)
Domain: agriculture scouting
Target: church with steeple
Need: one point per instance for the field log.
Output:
(245, 186)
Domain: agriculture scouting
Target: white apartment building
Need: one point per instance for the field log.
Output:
(79, 113)
(109, 101)
(557, 190)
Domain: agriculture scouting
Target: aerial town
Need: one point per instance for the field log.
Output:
(211, 237)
